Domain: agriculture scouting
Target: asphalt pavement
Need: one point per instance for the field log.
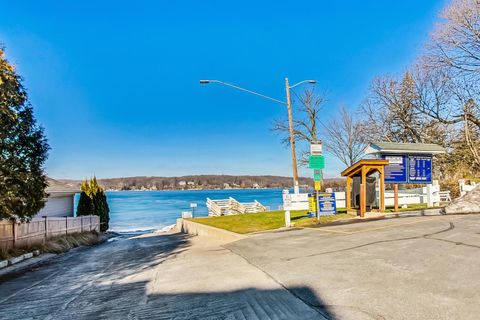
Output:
(402, 268)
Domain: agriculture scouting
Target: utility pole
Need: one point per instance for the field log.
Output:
(292, 139)
(288, 103)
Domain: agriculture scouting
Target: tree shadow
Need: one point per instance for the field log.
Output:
(131, 301)
(111, 260)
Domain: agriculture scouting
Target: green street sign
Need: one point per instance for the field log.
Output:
(317, 175)
(316, 162)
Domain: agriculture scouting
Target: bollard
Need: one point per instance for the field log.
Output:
(395, 197)
(287, 218)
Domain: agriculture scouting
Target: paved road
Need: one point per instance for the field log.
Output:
(405, 268)
(151, 277)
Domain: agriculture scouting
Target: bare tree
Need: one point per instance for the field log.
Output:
(343, 138)
(305, 123)
(456, 40)
(449, 81)
(391, 113)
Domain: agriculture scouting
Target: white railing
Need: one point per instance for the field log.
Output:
(464, 187)
(231, 206)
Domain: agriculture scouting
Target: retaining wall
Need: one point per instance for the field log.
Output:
(198, 229)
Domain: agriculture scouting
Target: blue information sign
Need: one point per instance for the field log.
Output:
(420, 169)
(396, 170)
(405, 168)
(326, 203)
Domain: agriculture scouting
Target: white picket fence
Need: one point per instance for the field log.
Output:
(230, 206)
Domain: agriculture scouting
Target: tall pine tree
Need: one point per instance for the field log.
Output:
(23, 149)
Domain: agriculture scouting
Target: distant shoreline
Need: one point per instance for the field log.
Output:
(163, 190)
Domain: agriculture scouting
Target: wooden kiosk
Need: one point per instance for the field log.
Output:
(363, 169)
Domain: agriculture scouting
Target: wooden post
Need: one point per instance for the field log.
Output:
(348, 194)
(362, 200)
(46, 229)
(395, 197)
(15, 231)
(292, 138)
(363, 193)
(66, 225)
(382, 189)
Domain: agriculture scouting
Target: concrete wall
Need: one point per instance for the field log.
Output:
(58, 206)
(198, 229)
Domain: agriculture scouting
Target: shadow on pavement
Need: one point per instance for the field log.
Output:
(130, 301)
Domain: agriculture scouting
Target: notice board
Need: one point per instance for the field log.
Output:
(408, 168)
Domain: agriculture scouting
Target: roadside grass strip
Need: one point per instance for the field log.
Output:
(255, 222)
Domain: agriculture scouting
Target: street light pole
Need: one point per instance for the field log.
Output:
(292, 139)
(288, 103)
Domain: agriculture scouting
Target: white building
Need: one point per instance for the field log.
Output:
(60, 201)
(182, 183)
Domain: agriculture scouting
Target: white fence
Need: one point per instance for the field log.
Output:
(464, 187)
(19, 234)
(405, 197)
(231, 206)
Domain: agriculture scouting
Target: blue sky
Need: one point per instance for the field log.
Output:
(115, 84)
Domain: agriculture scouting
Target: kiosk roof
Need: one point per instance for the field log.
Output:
(411, 148)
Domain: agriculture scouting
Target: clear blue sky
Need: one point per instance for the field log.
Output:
(115, 83)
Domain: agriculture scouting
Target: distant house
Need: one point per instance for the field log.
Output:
(60, 201)
(191, 184)
(182, 183)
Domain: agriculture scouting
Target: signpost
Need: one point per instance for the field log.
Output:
(193, 206)
(326, 203)
(287, 205)
(317, 163)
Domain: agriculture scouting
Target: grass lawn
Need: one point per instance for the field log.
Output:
(253, 222)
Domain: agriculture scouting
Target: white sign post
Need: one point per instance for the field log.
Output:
(316, 148)
(193, 206)
(287, 205)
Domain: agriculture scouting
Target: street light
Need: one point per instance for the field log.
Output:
(288, 103)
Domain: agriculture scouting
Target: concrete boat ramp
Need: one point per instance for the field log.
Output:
(154, 276)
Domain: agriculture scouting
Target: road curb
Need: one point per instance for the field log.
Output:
(20, 267)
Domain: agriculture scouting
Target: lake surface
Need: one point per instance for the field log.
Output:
(139, 211)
